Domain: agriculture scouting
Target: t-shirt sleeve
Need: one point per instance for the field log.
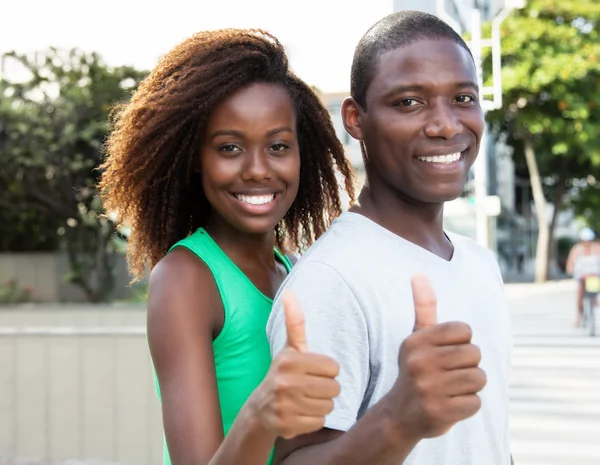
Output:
(335, 326)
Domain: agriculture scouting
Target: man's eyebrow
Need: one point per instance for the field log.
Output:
(419, 87)
(467, 84)
(406, 88)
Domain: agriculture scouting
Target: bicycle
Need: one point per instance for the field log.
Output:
(591, 289)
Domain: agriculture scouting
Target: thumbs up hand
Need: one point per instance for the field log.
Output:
(439, 375)
(294, 323)
(300, 386)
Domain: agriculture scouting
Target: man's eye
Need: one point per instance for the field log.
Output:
(465, 99)
(408, 102)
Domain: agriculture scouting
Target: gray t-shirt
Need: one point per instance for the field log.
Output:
(354, 287)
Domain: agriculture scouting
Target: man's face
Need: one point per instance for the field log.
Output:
(423, 121)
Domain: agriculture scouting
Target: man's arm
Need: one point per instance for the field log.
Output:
(336, 326)
(436, 386)
(373, 439)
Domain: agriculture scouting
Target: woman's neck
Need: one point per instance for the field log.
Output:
(242, 246)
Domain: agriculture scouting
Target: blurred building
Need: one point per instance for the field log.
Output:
(457, 13)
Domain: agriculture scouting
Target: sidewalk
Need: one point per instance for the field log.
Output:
(517, 290)
(555, 378)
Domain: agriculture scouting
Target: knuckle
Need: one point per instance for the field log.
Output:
(280, 361)
(422, 386)
(476, 353)
(465, 330)
(319, 424)
(288, 360)
(329, 407)
(327, 366)
(475, 405)
(278, 408)
(481, 378)
(410, 343)
(334, 368)
(336, 388)
(415, 364)
(281, 385)
(469, 408)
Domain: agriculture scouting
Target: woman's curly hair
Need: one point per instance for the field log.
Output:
(148, 175)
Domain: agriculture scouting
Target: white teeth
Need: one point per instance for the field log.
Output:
(444, 159)
(256, 199)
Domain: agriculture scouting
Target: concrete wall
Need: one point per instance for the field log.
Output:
(44, 273)
(76, 384)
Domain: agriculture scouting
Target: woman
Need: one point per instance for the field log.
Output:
(221, 160)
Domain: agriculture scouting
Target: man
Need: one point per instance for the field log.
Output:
(583, 261)
(412, 370)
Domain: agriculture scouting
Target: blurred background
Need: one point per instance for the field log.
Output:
(75, 379)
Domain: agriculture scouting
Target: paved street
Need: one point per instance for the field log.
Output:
(555, 392)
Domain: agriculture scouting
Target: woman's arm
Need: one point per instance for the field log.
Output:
(185, 313)
(184, 309)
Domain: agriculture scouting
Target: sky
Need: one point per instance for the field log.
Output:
(319, 35)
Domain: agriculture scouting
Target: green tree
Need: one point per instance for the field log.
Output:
(551, 91)
(586, 202)
(53, 123)
(23, 228)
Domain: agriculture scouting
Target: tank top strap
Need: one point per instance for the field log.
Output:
(230, 279)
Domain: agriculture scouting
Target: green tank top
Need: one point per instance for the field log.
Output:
(241, 350)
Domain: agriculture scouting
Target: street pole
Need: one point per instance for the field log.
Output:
(480, 167)
(480, 171)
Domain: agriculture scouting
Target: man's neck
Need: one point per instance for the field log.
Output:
(417, 222)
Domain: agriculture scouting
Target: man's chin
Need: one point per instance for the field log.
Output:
(442, 197)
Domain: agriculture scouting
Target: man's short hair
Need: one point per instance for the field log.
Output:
(394, 31)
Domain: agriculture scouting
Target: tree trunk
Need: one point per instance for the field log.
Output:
(541, 210)
(557, 199)
(105, 263)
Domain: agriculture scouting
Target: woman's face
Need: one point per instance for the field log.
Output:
(250, 158)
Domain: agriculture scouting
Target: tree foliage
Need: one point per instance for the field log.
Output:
(53, 122)
(551, 95)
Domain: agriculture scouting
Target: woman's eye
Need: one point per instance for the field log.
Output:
(279, 147)
(229, 148)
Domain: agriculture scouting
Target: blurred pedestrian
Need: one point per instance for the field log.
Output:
(521, 251)
(583, 261)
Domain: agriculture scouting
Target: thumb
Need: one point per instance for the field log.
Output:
(294, 322)
(425, 302)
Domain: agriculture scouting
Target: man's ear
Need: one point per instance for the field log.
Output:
(351, 110)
